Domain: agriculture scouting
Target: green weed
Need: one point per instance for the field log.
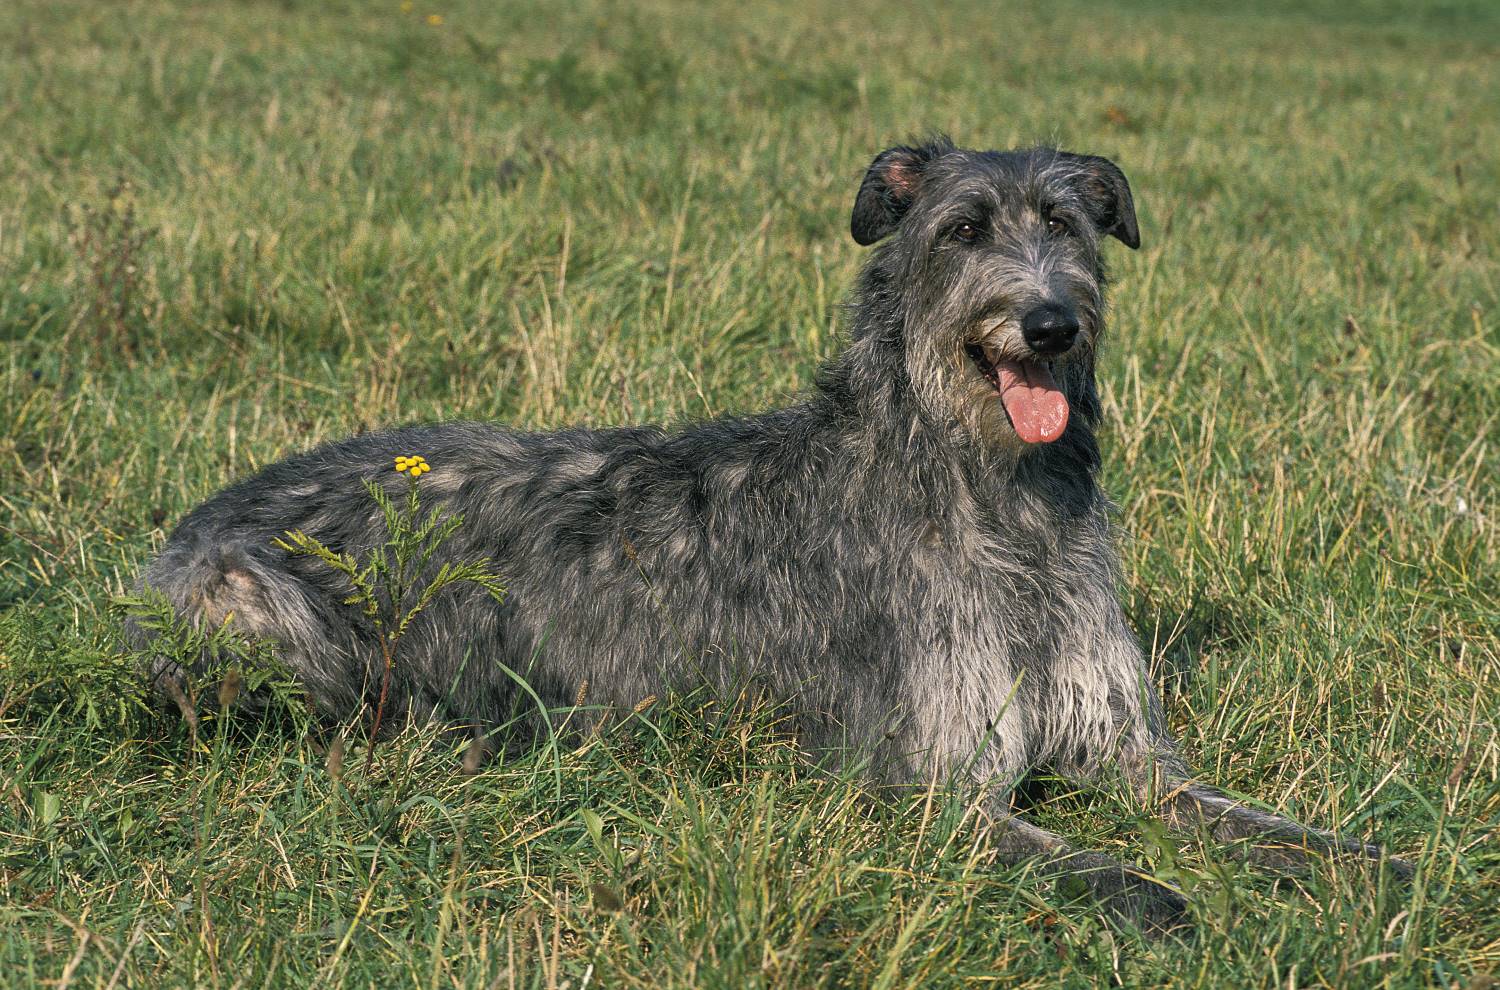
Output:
(396, 581)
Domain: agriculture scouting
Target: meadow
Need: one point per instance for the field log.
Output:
(233, 230)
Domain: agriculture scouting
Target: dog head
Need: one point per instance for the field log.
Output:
(992, 264)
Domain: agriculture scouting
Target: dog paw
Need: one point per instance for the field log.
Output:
(1375, 856)
(1128, 896)
(1401, 869)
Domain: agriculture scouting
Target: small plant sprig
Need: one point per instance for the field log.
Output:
(391, 585)
(110, 243)
(217, 653)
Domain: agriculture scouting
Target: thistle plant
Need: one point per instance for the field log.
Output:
(395, 581)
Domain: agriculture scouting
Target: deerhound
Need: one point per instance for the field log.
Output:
(916, 559)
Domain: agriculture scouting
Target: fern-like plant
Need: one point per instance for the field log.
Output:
(394, 583)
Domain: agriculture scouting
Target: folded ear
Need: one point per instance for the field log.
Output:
(1107, 197)
(890, 187)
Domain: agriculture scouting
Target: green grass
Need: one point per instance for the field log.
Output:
(231, 231)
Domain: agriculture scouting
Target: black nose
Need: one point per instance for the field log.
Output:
(1050, 329)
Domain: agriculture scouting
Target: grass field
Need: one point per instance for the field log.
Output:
(233, 230)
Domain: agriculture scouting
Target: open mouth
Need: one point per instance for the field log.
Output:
(1037, 407)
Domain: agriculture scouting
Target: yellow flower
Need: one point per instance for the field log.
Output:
(435, 20)
(406, 6)
(416, 465)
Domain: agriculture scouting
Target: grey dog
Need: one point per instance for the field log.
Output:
(916, 559)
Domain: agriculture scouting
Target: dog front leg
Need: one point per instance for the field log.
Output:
(1124, 892)
(1267, 840)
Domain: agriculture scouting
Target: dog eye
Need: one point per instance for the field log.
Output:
(965, 232)
(1057, 225)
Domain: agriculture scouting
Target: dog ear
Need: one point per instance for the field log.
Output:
(890, 187)
(1107, 196)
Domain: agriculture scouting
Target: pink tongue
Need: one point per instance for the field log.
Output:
(1037, 407)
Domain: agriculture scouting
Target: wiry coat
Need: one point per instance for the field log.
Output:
(920, 587)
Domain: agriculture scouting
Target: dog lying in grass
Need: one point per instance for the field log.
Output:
(916, 559)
